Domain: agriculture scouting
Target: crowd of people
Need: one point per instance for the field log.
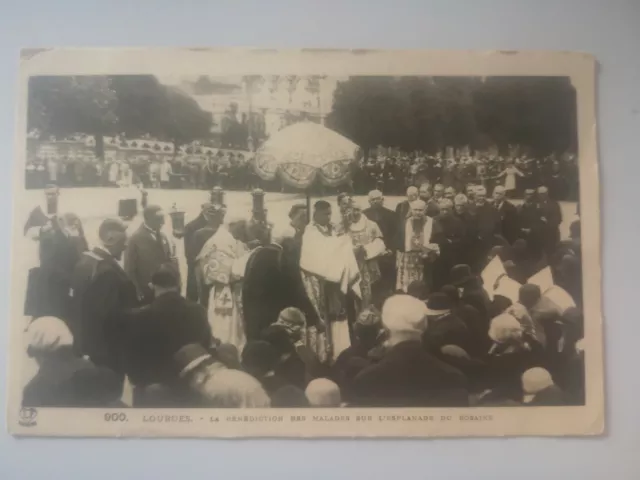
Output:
(394, 172)
(230, 169)
(384, 308)
(388, 172)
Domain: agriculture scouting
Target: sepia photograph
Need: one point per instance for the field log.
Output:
(205, 251)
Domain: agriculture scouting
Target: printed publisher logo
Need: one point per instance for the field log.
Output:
(28, 417)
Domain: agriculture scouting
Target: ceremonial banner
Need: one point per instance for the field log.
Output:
(304, 331)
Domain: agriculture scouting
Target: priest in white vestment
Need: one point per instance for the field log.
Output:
(368, 245)
(415, 250)
(222, 261)
(329, 270)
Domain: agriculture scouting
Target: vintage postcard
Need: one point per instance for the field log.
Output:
(305, 243)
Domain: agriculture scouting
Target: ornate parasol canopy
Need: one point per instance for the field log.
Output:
(300, 152)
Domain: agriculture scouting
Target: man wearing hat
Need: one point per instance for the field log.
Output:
(258, 228)
(365, 350)
(443, 327)
(408, 375)
(156, 332)
(471, 291)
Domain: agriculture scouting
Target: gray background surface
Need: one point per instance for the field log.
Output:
(608, 29)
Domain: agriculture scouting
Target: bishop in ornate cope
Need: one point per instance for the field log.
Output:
(415, 247)
(329, 271)
(368, 244)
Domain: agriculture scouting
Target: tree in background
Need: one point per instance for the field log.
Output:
(430, 113)
(135, 105)
(61, 106)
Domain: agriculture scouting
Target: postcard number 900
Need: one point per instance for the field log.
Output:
(115, 417)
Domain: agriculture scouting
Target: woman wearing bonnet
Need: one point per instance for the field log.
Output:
(513, 352)
(63, 379)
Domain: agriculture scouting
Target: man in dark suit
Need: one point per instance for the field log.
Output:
(487, 223)
(424, 193)
(550, 216)
(388, 222)
(386, 219)
(101, 293)
(407, 375)
(148, 249)
(508, 214)
(272, 283)
(449, 232)
(62, 242)
(189, 232)
(529, 222)
(156, 332)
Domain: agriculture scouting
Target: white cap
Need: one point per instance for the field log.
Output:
(322, 392)
(48, 334)
(404, 313)
(535, 380)
(505, 327)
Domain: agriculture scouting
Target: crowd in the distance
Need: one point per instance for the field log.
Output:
(390, 172)
(431, 333)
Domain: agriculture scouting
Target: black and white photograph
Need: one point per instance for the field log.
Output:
(189, 243)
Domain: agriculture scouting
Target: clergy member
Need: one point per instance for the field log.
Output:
(414, 247)
(368, 245)
(329, 270)
(221, 260)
